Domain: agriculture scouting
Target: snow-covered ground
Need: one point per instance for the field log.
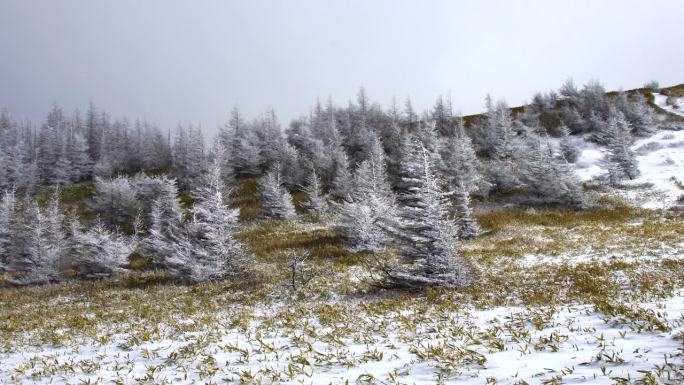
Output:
(661, 164)
(660, 158)
(660, 101)
(470, 346)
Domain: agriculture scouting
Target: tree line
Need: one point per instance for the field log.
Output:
(392, 181)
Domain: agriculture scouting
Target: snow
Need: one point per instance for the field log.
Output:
(660, 158)
(575, 342)
(588, 164)
(660, 101)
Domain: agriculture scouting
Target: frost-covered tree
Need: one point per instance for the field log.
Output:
(442, 116)
(247, 154)
(64, 171)
(276, 201)
(568, 149)
(593, 100)
(573, 120)
(94, 132)
(427, 237)
(149, 189)
(201, 248)
(97, 251)
(115, 201)
(459, 162)
(168, 235)
(410, 118)
(221, 157)
(189, 160)
(548, 178)
(341, 184)
(78, 157)
(45, 243)
(8, 216)
(290, 164)
(369, 213)
(215, 253)
(641, 115)
(622, 160)
(316, 201)
(466, 223)
(16, 155)
(494, 133)
(51, 158)
(428, 136)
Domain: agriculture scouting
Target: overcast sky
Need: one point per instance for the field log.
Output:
(188, 61)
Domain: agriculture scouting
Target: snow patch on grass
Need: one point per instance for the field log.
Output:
(661, 101)
(661, 164)
(598, 344)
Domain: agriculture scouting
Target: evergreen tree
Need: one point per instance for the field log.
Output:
(426, 236)
(188, 157)
(99, 252)
(94, 131)
(78, 157)
(203, 247)
(215, 252)
(495, 135)
(369, 213)
(7, 228)
(168, 239)
(342, 179)
(441, 115)
(467, 225)
(549, 178)
(622, 161)
(45, 243)
(115, 201)
(459, 162)
(149, 189)
(247, 158)
(276, 202)
(641, 116)
(316, 201)
(221, 157)
(568, 149)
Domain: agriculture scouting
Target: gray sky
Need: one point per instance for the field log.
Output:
(190, 61)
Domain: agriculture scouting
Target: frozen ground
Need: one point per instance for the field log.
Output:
(661, 165)
(574, 344)
(660, 101)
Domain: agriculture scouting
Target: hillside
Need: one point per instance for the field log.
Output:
(560, 295)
